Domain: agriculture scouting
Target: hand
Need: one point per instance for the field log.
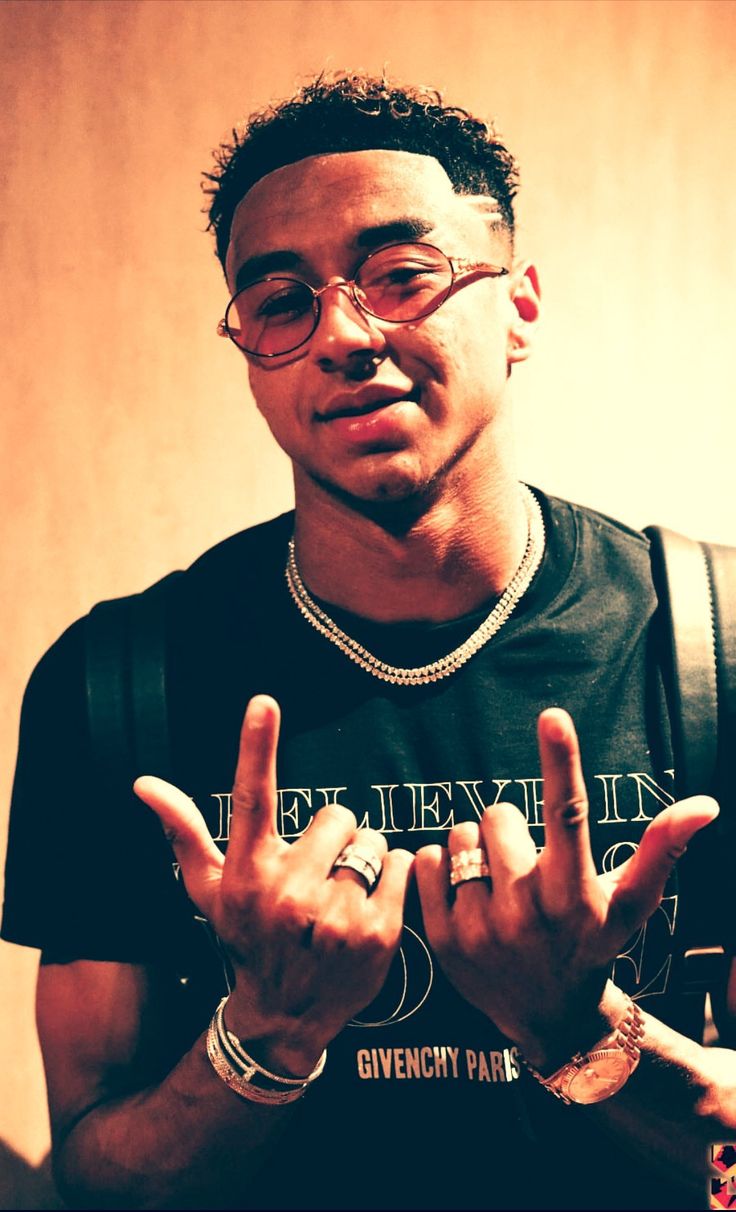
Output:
(309, 948)
(531, 949)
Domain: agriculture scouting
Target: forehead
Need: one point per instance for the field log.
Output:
(321, 204)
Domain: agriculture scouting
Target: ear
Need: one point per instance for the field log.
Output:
(524, 295)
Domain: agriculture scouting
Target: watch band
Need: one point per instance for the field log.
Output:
(599, 1073)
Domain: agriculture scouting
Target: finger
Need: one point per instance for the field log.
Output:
(463, 836)
(508, 844)
(641, 883)
(373, 845)
(566, 863)
(200, 861)
(253, 821)
(390, 894)
(469, 894)
(329, 832)
(432, 870)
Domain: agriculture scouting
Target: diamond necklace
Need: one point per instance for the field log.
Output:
(422, 675)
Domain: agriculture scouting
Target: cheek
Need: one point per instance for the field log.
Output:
(464, 349)
(468, 333)
(271, 391)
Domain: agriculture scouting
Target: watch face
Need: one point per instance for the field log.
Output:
(601, 1076)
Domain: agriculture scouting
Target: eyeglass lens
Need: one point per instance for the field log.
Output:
(399, 283)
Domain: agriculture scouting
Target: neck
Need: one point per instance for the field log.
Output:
(423, 559)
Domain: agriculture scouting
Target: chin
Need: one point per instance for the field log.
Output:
(390, 480)
(395, 498)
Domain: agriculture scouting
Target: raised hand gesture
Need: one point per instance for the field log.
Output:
(531, 946)
(310, 945)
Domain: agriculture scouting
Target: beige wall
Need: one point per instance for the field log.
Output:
(130, 440)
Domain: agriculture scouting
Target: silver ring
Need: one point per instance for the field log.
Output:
(363, 861)
(468, 865)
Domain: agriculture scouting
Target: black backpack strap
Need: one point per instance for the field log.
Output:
(696, 588)
(125, 672)
(721, 561)
(106, 647)
(125, 650)
(683, 586)
(150, 709)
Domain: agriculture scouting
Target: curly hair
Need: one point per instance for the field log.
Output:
(351, 112)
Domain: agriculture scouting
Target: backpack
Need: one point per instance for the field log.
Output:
(695, 582)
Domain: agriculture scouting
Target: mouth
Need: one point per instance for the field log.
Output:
(363, 405)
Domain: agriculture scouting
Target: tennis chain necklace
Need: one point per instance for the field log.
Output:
(422, 675)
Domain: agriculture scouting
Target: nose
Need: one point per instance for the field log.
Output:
(344, 330)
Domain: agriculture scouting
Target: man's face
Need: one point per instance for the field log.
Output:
(439, 383)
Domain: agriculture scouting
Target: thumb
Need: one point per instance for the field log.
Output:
(641, 884)
(182, 822)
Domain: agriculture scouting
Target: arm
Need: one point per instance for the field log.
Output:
(139, 1121)
(532, 952)
(133, 1126)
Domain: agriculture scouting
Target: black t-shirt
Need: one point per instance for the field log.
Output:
(421, 1087)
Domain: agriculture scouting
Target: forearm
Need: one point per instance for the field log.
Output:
(680, 1099)
(187, 1142)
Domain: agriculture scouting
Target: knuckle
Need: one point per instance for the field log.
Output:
(330, 934)
(251, 800)
(464, 836)
(337, 813)
(427, 857)
(492, 811)
(373, 840)
(290, 913)
(401, 861)
(471, 933)
(675, 851)
(374, 940)
(508, 927)
(573, 812)
(443, 945)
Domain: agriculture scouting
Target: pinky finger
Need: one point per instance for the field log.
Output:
(433, 880)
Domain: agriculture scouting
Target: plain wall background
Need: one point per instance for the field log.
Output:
(130, 440)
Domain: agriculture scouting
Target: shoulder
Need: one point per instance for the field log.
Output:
(224, 574)
(249, 552)
(601, 525)
(601, 540)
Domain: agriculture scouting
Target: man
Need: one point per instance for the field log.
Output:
(417, 932)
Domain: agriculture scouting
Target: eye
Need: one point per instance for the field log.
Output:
(402, 273)
(283, 305)
(405, 276)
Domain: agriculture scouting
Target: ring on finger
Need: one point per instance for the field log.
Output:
(468, 865)
(363, 861)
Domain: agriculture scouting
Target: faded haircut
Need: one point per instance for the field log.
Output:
(351, 112)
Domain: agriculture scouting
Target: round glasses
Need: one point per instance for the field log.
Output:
(399, 283)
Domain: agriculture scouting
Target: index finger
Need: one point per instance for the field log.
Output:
(566, 861)
(253, 820)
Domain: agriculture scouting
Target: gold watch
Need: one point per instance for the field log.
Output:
(591, 1077)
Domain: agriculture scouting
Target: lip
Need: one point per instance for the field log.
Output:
(366, 400)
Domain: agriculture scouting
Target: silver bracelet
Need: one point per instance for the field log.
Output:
(238, 1069)
(240, 1084)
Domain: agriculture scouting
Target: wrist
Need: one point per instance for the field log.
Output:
(286, 1045)
(248, 1076)
(581, 1030)
(603, 1069)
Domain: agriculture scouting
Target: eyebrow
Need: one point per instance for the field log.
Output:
(284, 259)
(266, 263)
(406, 228)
